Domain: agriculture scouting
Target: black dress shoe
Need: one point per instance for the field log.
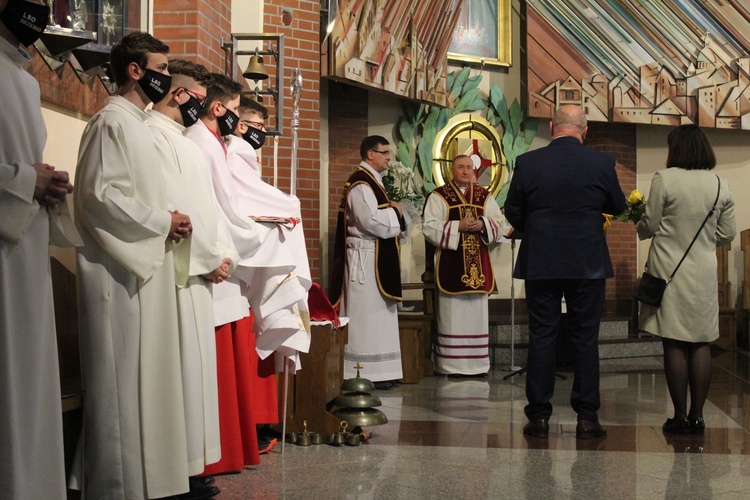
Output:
(202, 480)
(538, 428)
(697, 425)
(383, 386)
(676, 426)
(586, 429)
(199, 492)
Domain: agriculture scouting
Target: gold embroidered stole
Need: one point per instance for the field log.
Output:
(468, 268)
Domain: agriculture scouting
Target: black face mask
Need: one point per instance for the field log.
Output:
(25, 20)
(190, 111)
(255, 137)
(228, 122)
(155, 85)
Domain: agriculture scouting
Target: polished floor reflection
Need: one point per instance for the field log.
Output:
(455, 439)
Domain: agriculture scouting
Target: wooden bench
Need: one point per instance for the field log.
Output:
(415, 335)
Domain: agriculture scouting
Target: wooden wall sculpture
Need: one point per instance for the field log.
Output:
(398, 46)
(637, 61)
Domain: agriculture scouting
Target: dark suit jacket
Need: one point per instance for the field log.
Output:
(556, 198)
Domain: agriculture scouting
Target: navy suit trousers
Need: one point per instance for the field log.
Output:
(584, 301)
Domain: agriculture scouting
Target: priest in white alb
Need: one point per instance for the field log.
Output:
(461, 221)
(366, 281)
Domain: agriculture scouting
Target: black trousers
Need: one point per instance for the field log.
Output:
(584, 300)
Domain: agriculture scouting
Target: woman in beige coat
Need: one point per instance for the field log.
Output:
(688, 319)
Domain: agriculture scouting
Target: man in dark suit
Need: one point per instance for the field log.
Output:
(556, 198)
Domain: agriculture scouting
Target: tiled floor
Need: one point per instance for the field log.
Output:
(463, 439)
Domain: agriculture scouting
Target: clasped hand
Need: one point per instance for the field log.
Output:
(52, 186)
(470, 225)
(220, 273)
(180, 227)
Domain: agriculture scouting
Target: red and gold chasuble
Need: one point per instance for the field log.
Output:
(468, 268)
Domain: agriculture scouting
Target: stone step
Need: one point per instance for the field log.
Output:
(609, 330)
(614, 342)
(635, 348)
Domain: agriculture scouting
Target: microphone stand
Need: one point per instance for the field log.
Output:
(516, 370)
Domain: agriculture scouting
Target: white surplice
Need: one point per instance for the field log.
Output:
(133, 441)
(373, 319)
(188, 185)
(462, 345)
(31, 434)
(254, 197)
(264, 276)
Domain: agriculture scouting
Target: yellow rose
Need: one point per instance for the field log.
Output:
(635, 197)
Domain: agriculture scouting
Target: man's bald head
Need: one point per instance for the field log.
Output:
(569, 120)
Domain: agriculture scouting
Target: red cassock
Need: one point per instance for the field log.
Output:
(235, 346)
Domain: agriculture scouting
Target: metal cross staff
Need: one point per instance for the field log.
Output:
(296, 89)
(296, 92)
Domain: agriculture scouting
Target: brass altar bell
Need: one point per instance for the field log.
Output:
(344, 437)
(357, 404)
(306, 438)
(255, 70)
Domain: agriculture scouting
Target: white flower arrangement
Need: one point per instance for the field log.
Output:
(400, 185)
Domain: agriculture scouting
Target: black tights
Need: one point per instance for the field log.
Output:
(687, 364)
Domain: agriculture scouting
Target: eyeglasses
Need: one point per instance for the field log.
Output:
(193, 93)
(384, 153)
(258, 125)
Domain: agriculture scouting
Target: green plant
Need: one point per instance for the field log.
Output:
(400, 184)
(518, 131)
(420, 124)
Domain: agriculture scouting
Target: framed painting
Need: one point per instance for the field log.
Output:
(483, 34)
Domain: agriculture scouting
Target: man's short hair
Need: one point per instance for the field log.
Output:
(220, 88)
(192, 70)
(134, 47)
(459, 157)
(248, 104)
(370, 142)
(570, 116)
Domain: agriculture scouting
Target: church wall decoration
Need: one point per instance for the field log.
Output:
(397, 46)
(670, 62)
(483, 34)
(485, 127)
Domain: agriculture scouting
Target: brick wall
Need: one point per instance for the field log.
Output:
(301, 50)
(347, 126)
(193, 29)
(619, 140)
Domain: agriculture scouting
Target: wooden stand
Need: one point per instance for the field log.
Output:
(415, 336)
(412, 328)
(727, 318)
(317, 383)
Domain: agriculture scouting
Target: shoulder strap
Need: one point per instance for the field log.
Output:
(710, 212)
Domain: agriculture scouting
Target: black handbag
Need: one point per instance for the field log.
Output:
(651, 288)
